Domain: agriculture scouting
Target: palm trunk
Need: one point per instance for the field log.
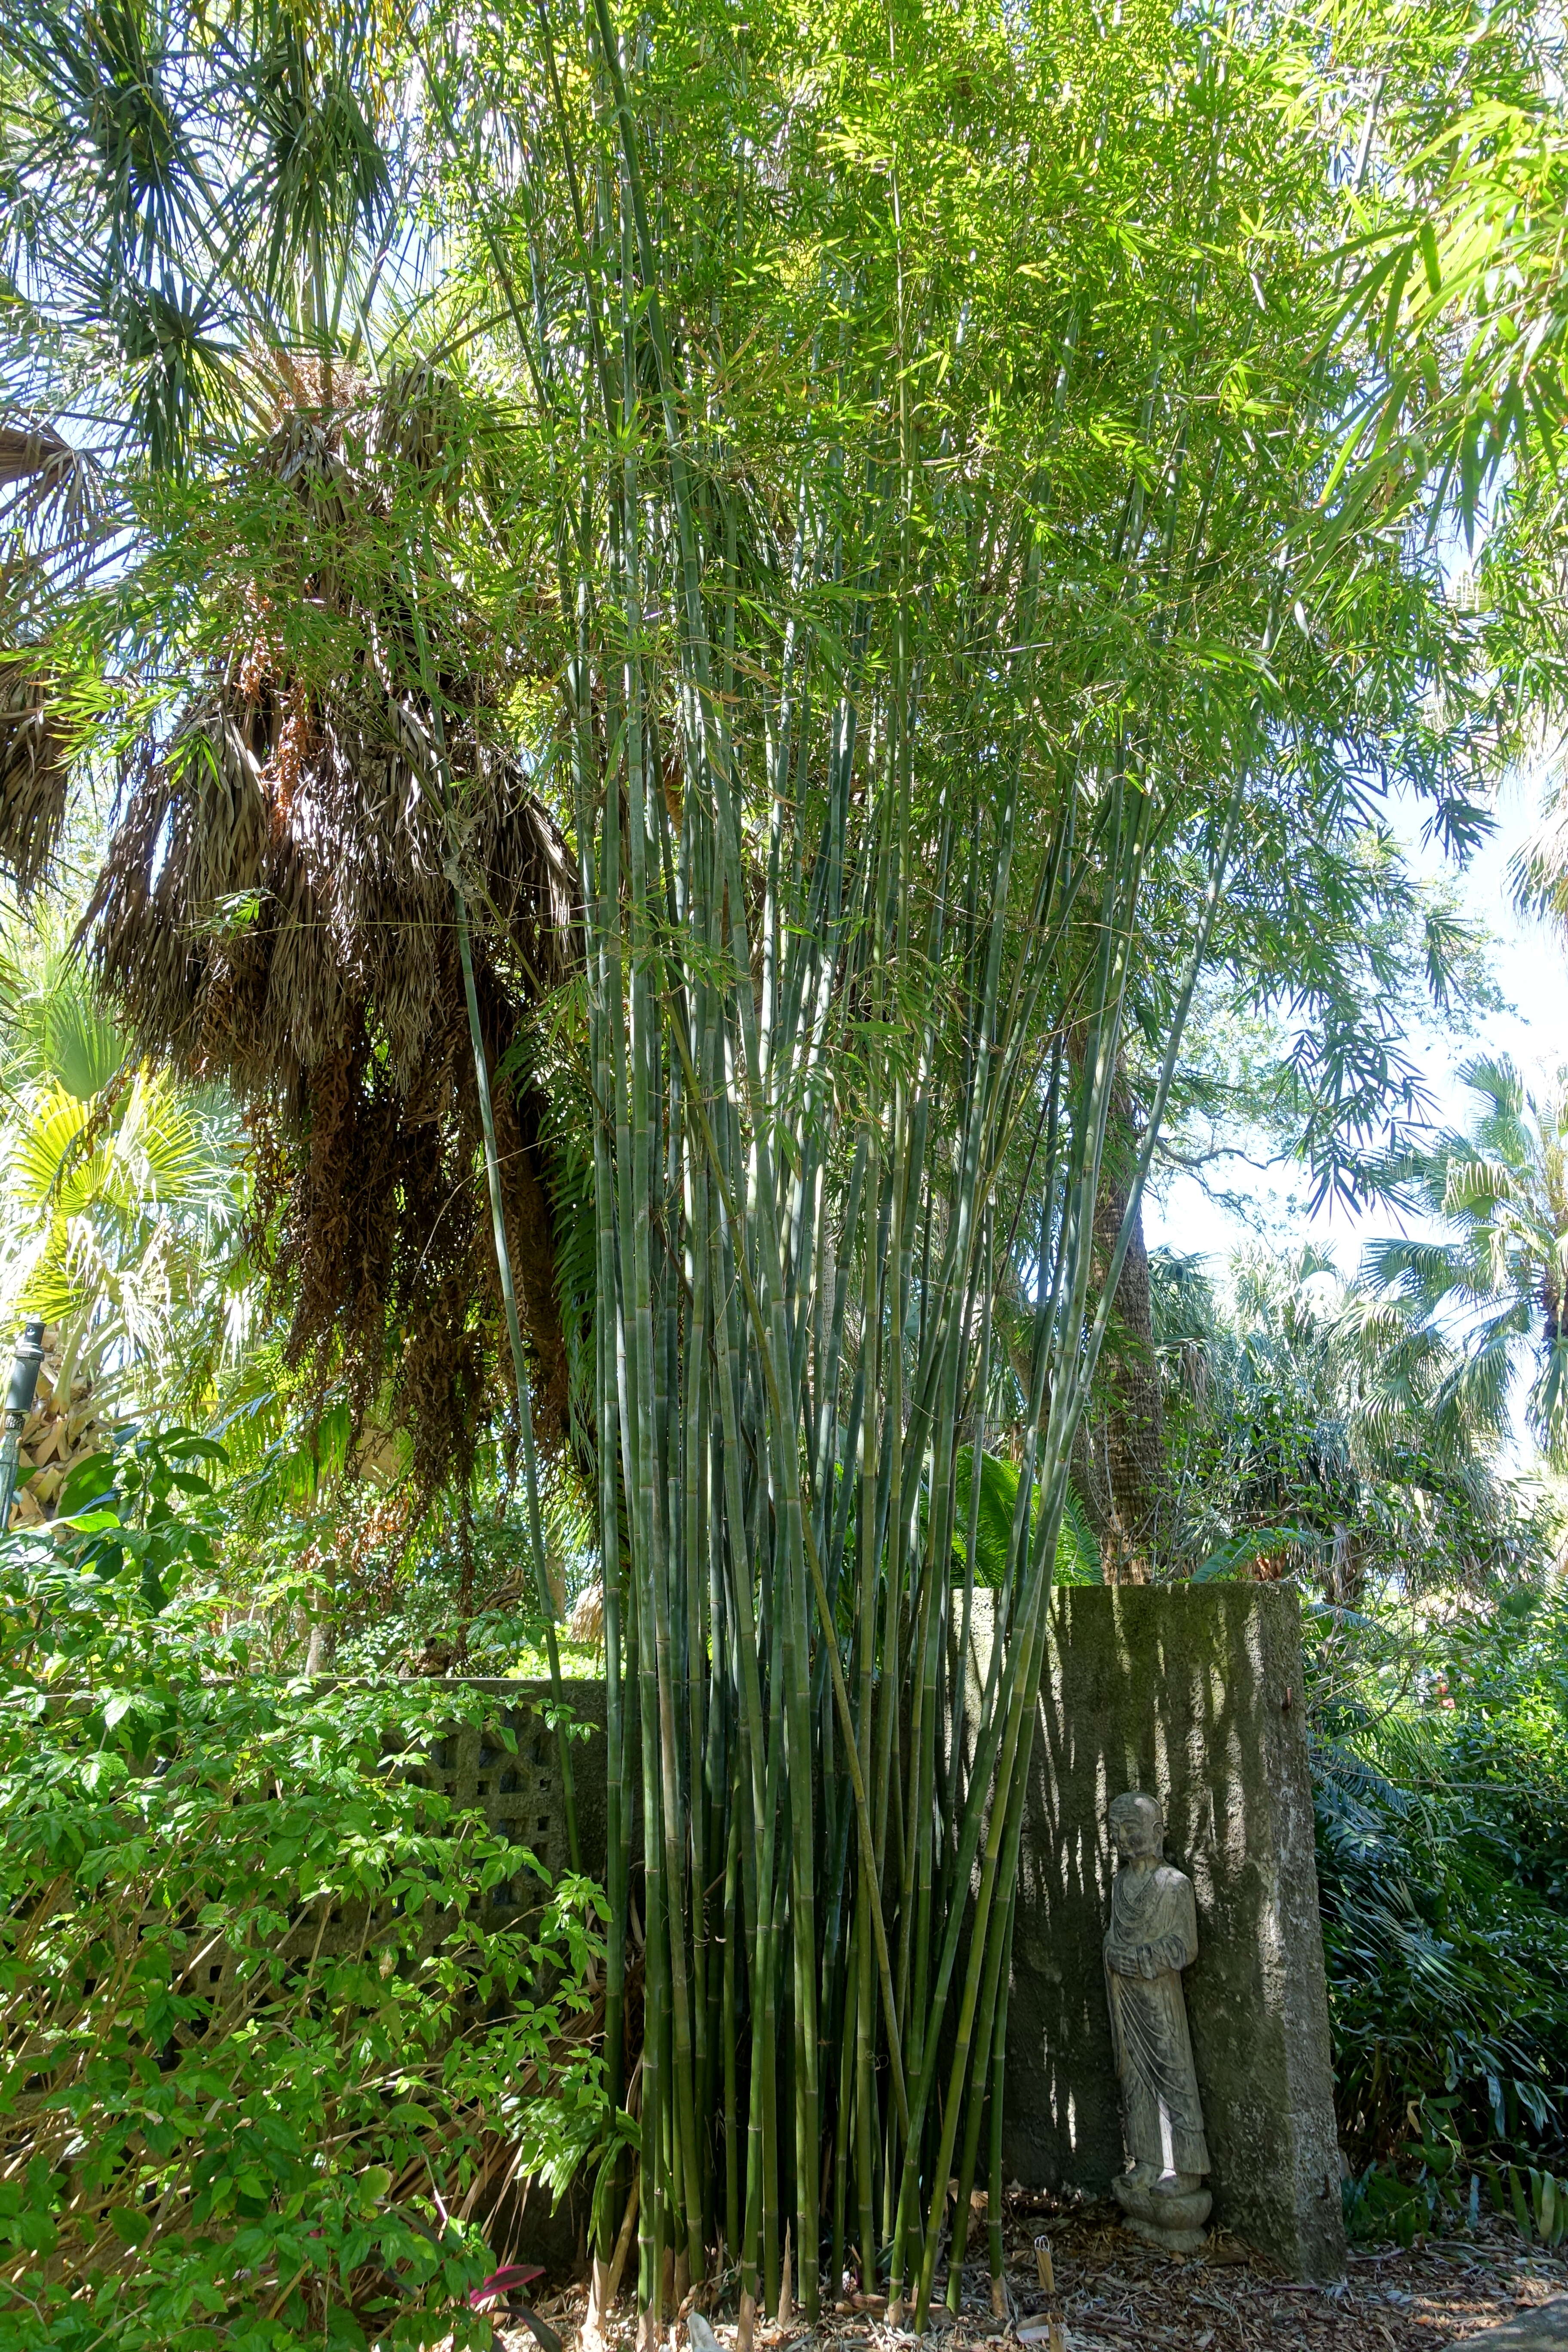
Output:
(1121, 1465)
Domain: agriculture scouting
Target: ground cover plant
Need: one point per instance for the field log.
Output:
(275, 2018)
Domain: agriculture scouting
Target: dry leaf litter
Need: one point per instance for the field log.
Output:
(1114, 2294)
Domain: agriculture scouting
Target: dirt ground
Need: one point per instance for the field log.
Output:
(1116, 2293)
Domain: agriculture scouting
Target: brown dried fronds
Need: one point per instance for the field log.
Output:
(303, 380)
(295, 739)
(34, 769)
(53, 523)
(276, 910)
(51, 501)
(277, 874)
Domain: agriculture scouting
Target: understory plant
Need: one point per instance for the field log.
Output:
(1443, 1865)
(277, 2018)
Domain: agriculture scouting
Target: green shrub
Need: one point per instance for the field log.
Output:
(1403, 2201)
(1442, 1794)
(271, 2011)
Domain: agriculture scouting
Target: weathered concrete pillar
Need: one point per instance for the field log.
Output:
(1193, 1693)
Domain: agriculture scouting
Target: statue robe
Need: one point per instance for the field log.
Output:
(1154, 1922)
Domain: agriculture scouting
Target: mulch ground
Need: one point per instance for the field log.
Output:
(1115, 2293)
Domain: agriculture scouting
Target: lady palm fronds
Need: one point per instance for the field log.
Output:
(1441, 1832)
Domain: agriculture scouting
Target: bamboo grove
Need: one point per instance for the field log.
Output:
(896, 525)
(866, 826)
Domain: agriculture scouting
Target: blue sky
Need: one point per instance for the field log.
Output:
(1530, 964)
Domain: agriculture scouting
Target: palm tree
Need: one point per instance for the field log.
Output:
(301, 822)
(123, 1207)
(1496, 1289)
(1301, 1438)
(313, 813)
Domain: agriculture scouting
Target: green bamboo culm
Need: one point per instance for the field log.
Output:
(519, 1373)
(437, 769)
(877, 852)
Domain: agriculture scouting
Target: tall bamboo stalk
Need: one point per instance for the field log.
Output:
(865, 883)
(522, 1389)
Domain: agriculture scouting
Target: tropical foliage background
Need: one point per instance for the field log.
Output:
(677, 695)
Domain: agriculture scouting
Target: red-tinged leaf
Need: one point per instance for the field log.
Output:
(506, 2281)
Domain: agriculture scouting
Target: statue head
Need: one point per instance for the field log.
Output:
(1137, 1827)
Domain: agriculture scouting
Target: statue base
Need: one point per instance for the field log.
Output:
(1172, 2218)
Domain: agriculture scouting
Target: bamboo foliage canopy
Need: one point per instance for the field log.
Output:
(852, 488)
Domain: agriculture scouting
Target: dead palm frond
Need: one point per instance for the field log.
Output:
(51, 521)
(276, 910)
(34, 771)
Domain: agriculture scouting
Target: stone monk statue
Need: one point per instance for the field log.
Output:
(1152, 1936)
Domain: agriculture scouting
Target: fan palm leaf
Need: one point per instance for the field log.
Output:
(1496, 1288)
